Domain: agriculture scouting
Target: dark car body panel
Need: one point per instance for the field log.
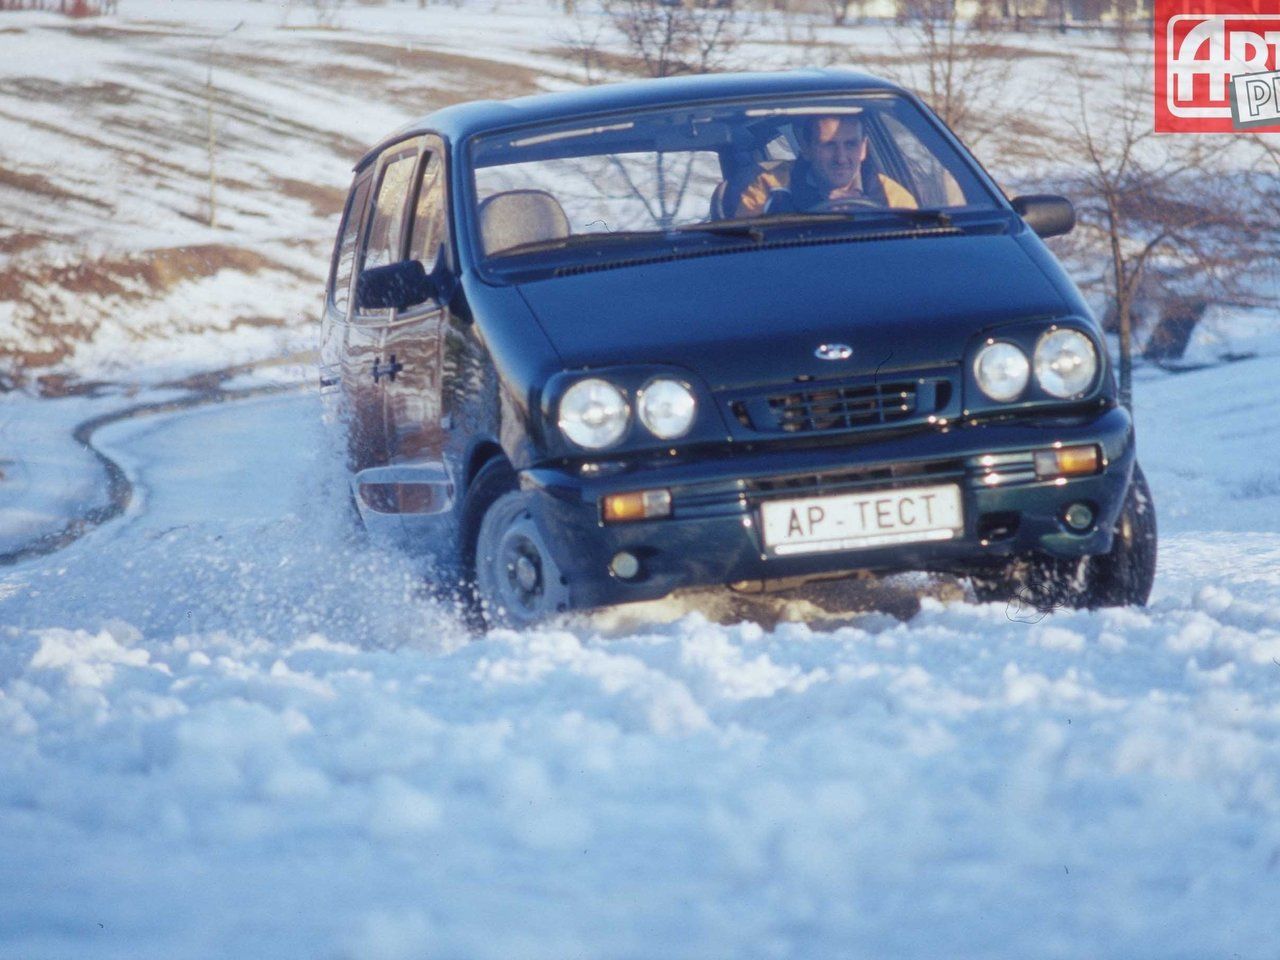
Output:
(742, 317)
(736, 322)
(712, 536)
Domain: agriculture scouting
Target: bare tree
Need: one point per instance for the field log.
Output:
(670, 37)
(955, 64)
(841, 10)
(326, 12)
(1179, 221)
(211, 143)
(586, 44)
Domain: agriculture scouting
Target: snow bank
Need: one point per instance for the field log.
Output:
(226, 727)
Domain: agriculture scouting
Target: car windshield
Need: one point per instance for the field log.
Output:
(688, 173)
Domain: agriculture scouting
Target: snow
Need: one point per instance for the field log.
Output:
(45, 476)
(227, 727)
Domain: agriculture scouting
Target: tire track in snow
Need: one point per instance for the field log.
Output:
(119, 486)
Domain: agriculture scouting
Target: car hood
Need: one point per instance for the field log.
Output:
(756, 317)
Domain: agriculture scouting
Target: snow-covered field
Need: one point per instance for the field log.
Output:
(230, 728)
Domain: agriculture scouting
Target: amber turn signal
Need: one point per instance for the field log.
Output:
(1068, 461)
(638, 505)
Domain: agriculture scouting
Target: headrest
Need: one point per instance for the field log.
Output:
(520, 216)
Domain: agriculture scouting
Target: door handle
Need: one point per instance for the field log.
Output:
(389, 370)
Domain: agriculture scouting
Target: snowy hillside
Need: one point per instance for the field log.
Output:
(109, 267)
(108, 264)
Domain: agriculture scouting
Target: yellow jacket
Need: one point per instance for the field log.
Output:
(776, 175)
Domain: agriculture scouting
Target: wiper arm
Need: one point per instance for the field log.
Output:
(574, 240)
(919, 215)
(754, 227)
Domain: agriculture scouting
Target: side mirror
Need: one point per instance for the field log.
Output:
(395, 286)
(1047, 215)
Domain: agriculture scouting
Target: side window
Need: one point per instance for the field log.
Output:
(780, 148)
(429, 213)
(345, 256)
(383, 237)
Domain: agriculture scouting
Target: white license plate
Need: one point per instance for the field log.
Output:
(857, 520)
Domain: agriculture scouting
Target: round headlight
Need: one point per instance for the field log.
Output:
(594, 414)
(667, 408)
(1002, 371)
(1065, 363)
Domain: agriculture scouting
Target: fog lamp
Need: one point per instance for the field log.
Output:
(1067, 461)
(625, 565)
(637, 505)
(1078, 516)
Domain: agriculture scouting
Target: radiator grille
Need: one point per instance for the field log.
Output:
(837, 407)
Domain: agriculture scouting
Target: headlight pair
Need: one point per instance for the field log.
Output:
(1065, 365)
(594, 413)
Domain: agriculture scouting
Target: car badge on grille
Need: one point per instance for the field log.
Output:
(833, 351)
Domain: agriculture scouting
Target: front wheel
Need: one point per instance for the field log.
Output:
(513, 579)
(1125, 575)
(517, 582)
(1121, 577)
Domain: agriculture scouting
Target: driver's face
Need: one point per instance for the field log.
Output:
(835, 149)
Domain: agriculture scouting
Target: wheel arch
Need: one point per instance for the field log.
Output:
(482, 452)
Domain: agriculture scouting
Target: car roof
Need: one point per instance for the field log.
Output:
(478, 116)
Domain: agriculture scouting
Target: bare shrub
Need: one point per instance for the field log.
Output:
(327, 12)
(1177, 222)
(586, 45)
(955, 64)
(841, 11)
(669, 37)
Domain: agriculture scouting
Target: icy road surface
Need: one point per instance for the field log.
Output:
(225, 730)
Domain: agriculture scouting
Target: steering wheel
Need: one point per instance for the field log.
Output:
(845, 203)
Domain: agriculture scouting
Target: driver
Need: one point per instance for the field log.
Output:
(833, 150)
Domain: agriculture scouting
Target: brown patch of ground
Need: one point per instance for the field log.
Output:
(41, 186)
(20, 242)
(329, 74)
(325, 201)
(140, 277)
(137, 277)
(128, 33)
(601, 60)
(473, 77)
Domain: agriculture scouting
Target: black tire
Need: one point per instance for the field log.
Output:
(1119, 578)
(513, 580)
(494, 479)
(1124, 576)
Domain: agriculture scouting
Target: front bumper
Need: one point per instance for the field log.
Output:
(713, 534)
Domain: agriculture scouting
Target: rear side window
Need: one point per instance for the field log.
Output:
(429, 214)
(345, 259)
(382, 245)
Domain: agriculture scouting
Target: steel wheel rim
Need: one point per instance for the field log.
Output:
(520, 572)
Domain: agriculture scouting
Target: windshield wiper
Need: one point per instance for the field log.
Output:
(754, 227)
(918, 215)
(576, 240)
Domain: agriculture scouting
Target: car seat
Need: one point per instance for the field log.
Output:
(516, 217)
